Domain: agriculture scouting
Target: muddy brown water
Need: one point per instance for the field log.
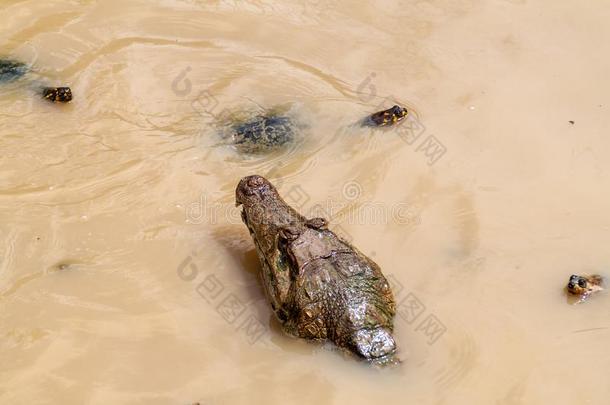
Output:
(126, 276)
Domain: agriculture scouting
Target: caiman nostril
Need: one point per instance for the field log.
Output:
(255, 181)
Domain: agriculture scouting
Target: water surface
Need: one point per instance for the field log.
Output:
(126, 276)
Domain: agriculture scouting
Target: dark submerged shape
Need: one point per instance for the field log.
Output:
(387, 117)
(262, 133)
(319, 286)
(584, 286)
(11, 70)
(57, 94)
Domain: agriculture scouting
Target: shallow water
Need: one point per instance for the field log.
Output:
(126, 276)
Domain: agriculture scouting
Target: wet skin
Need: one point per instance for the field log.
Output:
(57, 94)
(387, 117)
(11, 70)
(319, 286)
(263, 133)
(583, 286)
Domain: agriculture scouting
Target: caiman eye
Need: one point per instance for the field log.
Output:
(317, 223)
(570, 285)
(582, 283)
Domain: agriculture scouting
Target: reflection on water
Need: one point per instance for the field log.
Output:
(126, 275)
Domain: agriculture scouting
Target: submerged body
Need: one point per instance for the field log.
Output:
(319, 286)
(583, 286)
(11, 70)
(263, 133)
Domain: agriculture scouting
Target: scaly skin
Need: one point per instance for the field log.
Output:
(57, 94)
(387, 117)
(319, 286)
(584, 286)
(263, 133)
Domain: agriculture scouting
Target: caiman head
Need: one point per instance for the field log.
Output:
(264, 212)
(358, 306)
(292, 248)
(285, 240)
(269, 220)
(583, 286)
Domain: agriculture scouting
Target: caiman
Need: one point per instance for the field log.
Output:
(584, 286)
(262, 131)
(387, 117)
(12, 70)
(319, 286)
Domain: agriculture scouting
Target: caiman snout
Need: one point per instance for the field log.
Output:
(248, 187)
